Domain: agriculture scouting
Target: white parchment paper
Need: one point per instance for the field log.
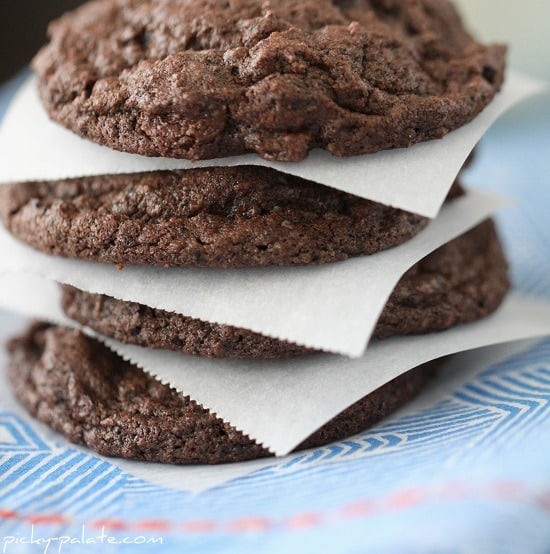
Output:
(199, 478)
(415, 179)
(280, 403)
(333, 307)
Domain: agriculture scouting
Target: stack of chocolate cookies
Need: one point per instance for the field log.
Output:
(208, 79)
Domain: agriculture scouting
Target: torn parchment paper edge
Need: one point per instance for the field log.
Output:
(531, 319)
(415, 179)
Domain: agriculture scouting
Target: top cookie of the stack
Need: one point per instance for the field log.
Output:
(202, 79)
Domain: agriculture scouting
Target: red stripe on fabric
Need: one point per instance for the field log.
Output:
(509, 491)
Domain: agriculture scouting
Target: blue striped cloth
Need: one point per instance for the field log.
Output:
(467, 469)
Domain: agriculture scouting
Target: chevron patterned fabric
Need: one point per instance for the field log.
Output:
(465, 468)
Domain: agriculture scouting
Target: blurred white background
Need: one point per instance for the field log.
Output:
(523, 24)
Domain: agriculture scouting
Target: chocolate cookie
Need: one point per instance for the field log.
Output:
(83, 390)
(202, 79)
(463, 281)
(213, 217)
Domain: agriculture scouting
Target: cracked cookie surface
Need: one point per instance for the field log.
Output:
(203, 79)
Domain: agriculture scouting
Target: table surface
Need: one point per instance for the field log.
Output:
(465, 468)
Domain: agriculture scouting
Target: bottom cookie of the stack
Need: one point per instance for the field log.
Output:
(89, 394)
